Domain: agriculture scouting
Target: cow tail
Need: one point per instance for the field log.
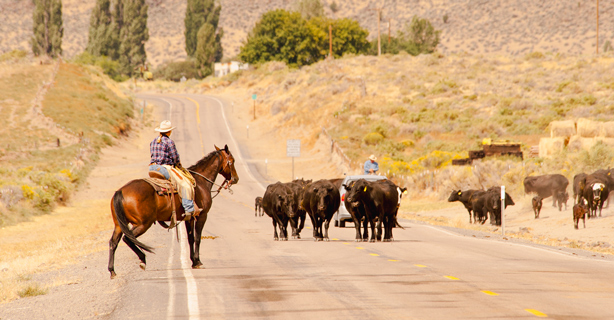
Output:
(396, 222)
(120, 214)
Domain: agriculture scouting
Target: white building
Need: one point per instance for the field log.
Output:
(221, 69)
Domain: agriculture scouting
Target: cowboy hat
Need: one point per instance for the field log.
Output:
(372, 157)
(165, 126)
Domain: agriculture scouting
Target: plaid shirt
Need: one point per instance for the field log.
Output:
(164, 152)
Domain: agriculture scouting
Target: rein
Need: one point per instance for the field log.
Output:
(225, 184)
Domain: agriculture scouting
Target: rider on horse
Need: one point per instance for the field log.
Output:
(165, 160)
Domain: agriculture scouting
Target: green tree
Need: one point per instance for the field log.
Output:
(205, 53)
(309, 8)
(47, 27)
(419, 37)
(348, 37)
(278, 36)
(103, 38)
(199, 12)
(133, 36)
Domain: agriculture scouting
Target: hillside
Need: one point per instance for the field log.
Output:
(418, 113)
(476, 27)
(58, 116)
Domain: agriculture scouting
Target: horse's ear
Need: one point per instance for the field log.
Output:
(216, 148)
(226, 148)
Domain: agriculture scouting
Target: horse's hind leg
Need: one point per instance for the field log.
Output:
(137, 231)
(117, 234)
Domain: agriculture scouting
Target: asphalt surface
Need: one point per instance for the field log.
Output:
(426, 273)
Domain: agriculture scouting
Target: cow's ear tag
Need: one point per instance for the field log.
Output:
(405, 192)
(459, 193)
(365, 189)
(609, 173)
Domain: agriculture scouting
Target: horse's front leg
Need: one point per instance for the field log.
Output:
(189, 229)
(199, 224)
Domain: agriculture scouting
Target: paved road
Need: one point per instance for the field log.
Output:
(427, 273)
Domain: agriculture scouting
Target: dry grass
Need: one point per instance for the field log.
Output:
(77, 108)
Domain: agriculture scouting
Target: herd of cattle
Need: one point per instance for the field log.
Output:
(368, 202)
(590, 191)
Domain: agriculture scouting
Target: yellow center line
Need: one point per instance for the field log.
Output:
(374, 254)
(335, 239)
(420, 265)
(391, 260)
(200, 135)
(346, 243)
(490, 293)
(536, 313)
(359, 248)
(451, 277)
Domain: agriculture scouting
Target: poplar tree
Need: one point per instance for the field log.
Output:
(198, 13)
(103, 38)
(47, 27)
(133, 34)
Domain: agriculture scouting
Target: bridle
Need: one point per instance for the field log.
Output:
(225, 166)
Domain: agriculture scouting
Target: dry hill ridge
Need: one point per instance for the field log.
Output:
(501, 26)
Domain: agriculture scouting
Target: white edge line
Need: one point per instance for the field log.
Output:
(565, 254)
(234, 141)
(192, 290)
(171, 283)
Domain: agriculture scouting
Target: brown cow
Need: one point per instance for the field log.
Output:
(258, 207)
(546, 185)
(579, 211)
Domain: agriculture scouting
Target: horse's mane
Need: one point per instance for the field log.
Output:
(204, 160)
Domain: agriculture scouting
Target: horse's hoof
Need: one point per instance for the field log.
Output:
(142, 265)
(199, 266)
(113, 275)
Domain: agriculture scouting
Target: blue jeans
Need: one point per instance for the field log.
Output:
(188, 205)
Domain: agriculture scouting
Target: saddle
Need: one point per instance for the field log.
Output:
(164, 188)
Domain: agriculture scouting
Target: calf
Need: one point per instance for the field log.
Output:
(537, 205)
(561, 198)
(321, 199)
(258, 207)
(465, 198)
(579, 212)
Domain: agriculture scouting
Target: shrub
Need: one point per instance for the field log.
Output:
(373, 138)
(173, 71)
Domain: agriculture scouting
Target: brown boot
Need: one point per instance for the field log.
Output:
(197, 210)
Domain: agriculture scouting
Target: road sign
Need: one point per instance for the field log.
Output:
(254, 96)
(293, 148)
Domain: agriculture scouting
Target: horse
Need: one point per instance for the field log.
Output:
(138, 204)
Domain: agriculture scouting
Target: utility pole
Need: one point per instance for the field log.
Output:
(379, 42)
(389, 32)
(597, 44)
(330, 40)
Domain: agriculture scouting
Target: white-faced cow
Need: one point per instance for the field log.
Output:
(277, 204)
(321, 199)
(546, 185)
(596, 193)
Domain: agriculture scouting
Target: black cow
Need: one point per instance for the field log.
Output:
(578, 188)
(596, 193)
(277, 204)
(379, 199)
(465, 198)
(488, 204)
(546, 185)
(298, 221)
(358, 213)
(496, 217)
(258, 207)
(537, 205)
(321, 199)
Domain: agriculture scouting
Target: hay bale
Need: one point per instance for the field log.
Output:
(607, 129)
(588, 128)
(577, 143)
(550, 146)
(564, 129)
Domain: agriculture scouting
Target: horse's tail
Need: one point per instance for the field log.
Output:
(120, 214)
